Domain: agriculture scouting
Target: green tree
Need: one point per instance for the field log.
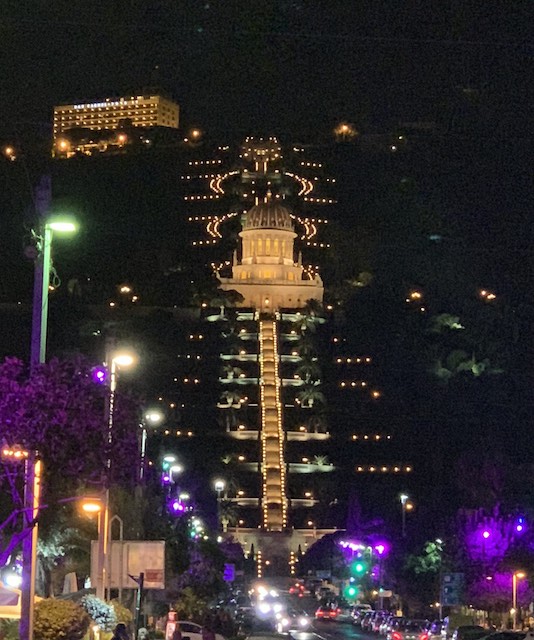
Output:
(190, 606)
(60, 619)
(122, 613)
(310, 395)
(309, 371)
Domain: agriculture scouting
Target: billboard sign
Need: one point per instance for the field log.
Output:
(132, 557)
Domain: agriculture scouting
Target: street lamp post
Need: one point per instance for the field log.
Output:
(439, 547)
(517, 575)
(116, 361)
(152, 418)
(219, 486)
(32, 492)
(404, 501)
(40, 302)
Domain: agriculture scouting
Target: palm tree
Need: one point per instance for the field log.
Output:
(314, 308)
(228, 514)
(306, 347)
(309, 371)
(230, 372)
(232, 341)
(309, 395)
(321, 461)
(304, 323)
(317, 423)
(230, 398)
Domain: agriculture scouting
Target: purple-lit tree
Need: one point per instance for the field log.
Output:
(60, 412)
(492, 547)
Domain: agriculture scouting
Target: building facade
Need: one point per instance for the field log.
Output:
(141, 111)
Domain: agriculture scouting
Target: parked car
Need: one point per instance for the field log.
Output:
(367, 621)
(389, 620)
(358, 612)
(469, 632)
(511, 635)
(344, 612)
(193, 631)
(380, 617)
(435, 629)
(409, 630)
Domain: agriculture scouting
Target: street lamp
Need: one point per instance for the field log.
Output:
(117, 360)
(42, 283)
(517, 575)
(220, 486)
(404, 502)
(152, 418)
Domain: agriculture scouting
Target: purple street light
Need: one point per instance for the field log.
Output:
(99, 374)
(486, 534)
(520, 525)
(177, 507)
(381, 548)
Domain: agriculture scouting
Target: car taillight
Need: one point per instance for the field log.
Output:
(396, 635)
(423, 636)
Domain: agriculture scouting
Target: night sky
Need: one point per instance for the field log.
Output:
(281, 66)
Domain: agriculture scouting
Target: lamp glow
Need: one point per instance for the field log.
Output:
(63, 226)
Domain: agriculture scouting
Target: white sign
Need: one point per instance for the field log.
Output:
(132, 557)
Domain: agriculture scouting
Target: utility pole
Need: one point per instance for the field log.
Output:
(42, 199)
(140, 580)
(32, 491)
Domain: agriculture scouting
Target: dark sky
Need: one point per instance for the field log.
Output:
(277, 65)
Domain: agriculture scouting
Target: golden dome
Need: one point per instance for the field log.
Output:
(268, 215)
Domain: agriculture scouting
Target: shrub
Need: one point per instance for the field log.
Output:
(100, 612)
(60, 620)
(121, 612)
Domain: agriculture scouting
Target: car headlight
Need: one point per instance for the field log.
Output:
(264, 607)
(303, 622)
(277, 607)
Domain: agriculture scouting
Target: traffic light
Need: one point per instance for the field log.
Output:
(351, 591)
(359, 568)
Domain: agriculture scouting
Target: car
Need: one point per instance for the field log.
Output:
(193, 631)
(469, 632)
(344, 612)
(435, 629)
(293, 620)
(409, 630)
(367, 620)
(387, 621)
(325, 612)
(358, 611)
(378, 620)
(391, 623)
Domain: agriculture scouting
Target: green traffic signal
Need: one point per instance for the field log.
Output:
(351, 592)
(359, 568)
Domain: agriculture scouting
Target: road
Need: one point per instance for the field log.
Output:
(333, 631)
